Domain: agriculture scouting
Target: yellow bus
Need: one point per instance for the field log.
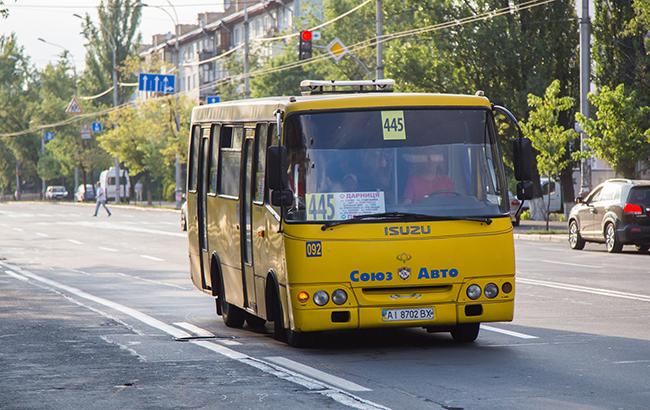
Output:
(352, 206)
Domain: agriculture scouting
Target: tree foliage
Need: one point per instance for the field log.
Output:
(620, 131)
(620, 55)
(115, 31)
(549, 137)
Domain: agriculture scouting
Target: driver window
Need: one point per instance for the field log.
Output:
(595, 196)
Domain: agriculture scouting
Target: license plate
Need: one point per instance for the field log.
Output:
(389, 315)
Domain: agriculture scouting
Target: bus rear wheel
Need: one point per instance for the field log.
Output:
(232, 315)
(465, 332)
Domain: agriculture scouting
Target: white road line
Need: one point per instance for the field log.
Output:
(194, 329)
(103, 248)
(153, 258)
(571, 264)
(16, 276)
(632, 361)
(337, 394)
(142, 317)
(18, 229)
(585, 289)
(317, 374)
(75, 242)
(229, 342)
(42, 235)
(507, 332)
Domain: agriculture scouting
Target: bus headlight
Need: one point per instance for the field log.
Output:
(474, 292)
(339, 296)
(321, 298)
(491, 291)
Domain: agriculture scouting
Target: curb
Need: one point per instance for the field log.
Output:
(538, 237)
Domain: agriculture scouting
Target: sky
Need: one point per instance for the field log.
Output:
(53, 21)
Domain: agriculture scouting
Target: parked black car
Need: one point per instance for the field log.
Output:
(616, 212)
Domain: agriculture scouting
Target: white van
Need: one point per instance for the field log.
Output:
(107, 181)
(552, 188)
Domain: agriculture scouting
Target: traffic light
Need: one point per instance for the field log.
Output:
(304, 50)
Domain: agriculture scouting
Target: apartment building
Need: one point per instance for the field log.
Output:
(192, 52)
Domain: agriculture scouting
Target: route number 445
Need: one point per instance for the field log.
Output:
(393, 125)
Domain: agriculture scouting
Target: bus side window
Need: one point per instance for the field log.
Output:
(194, 158)
(214, 158)
(261, 141)
(230, 161)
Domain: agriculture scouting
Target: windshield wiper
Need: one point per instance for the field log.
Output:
(405, 215)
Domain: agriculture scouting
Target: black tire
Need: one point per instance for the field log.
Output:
(466, 332)
(255, 322)
(276, 316)
(232, 315)
(298, 339)
(612, 242)
(642, 248)
(575, 239)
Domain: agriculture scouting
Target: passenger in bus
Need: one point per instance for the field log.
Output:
(427, 177)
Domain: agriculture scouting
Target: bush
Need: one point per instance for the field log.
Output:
(525, 215)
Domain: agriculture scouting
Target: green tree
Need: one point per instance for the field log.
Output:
(620, 131)
(549, 137)
(110, 42)
(17, 76)
(620, 55)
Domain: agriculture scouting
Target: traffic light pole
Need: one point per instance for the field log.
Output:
(585, 62)
(379, 26)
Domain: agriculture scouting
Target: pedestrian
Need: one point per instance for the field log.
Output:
(101, 199)
(138, 191)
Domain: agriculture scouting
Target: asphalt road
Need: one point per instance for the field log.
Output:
(100, 313)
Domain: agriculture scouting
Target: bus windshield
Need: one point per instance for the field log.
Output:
(438, 162)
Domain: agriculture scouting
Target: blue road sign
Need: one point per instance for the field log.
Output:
(97, 127)
(48, 136)
(160, 83)
(212, 99)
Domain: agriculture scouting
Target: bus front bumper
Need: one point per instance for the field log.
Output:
(444, 314)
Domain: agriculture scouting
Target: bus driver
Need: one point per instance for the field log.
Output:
(427, 177)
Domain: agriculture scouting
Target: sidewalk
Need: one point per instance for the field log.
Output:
(537, 227)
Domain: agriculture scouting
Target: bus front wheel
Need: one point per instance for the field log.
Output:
(465, 332)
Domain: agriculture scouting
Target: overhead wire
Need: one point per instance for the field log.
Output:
(355, 47)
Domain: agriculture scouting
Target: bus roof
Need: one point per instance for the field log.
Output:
(263, 109)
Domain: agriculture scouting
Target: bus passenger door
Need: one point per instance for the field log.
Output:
(201, 198)
(246, 222)
(192, 202)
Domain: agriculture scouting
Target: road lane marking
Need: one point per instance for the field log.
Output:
(571, 264)
(229, 342)
(103, 248)
(194, 329)
(632, 361)
(18, 229)
(585, 289)
(507, 332)
(75, 242)
(42, 235)
(16, 276)
(142, 317)
(333, 392)
(153, 258)
(317, 374)
(122, 227)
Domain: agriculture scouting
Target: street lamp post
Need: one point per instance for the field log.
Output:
(74, 73)
(177, 163)
(113, 44)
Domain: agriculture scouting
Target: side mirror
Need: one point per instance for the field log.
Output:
(525, 190)
(524, 160)
(277, 164)
(282, 197)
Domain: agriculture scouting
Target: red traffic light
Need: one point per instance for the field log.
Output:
(306, 35)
